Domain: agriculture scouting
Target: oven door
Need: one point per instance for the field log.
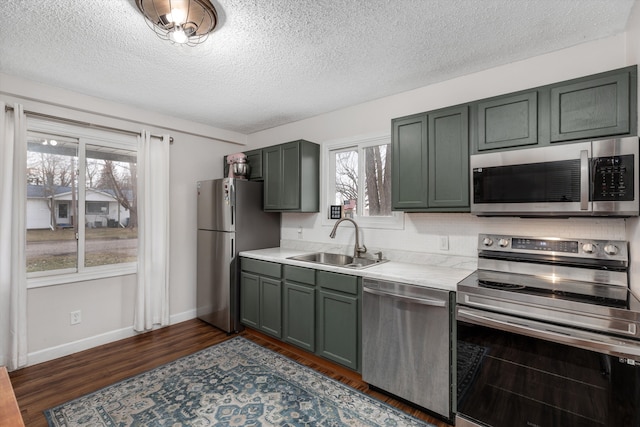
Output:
(537, 181)
(513, 372)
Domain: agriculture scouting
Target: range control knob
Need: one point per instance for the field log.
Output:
(503, 243)
(487, 241)
(611, 249)
(588, 248)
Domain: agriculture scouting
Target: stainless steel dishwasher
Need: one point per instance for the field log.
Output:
(407, 343)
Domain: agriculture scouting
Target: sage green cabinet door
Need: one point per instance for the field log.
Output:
(254, 158)
(271, 306)
(290, 192)
(250, 300)
(508, 121)
(291, 174)
(338, 325)
(409, 184)
(448, 159)
(300, 315)
(272, 157)
(591, 108)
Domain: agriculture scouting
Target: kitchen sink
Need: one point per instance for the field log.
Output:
(338, 260)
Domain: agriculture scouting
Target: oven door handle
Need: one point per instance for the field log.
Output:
(423, 301)
(586, 340)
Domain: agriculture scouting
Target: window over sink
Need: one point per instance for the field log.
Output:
(358, 172)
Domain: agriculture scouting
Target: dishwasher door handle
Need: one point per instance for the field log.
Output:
(423, 301)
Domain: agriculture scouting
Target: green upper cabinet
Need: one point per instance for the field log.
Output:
(449, 159)
(409, 158)
(254, 159)
(591, 108)
(431, 161)
(292, 177)
(508, 121)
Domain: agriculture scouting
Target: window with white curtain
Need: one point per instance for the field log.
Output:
(81, 207)
(359, 180)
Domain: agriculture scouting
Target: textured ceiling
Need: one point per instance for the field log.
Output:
(272, 62)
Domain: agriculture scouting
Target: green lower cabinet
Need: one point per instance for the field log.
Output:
(271, 306)
(300, 315)
(261, 296)
(338, 328)
(250, 300)
(338, 305)
(317, 311)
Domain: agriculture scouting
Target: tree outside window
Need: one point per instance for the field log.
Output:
(363, 179)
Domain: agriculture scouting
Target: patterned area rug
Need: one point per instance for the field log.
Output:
(235, 383)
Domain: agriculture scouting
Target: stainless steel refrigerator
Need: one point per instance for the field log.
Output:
(230, 220)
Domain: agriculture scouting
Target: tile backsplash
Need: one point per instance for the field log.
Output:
(422, 233)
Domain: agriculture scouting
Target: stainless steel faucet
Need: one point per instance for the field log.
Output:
(357, 250)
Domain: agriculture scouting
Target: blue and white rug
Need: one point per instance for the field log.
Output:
(235, 383)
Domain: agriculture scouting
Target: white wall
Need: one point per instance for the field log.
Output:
(107, 304)
(422, 231)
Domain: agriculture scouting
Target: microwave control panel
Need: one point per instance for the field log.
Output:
(612, 178)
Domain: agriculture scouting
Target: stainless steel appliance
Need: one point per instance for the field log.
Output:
(580, 179)
(406, 343)
(548, 334)
(230, 220)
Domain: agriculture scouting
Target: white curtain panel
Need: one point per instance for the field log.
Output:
(13, 275)
(152, 294)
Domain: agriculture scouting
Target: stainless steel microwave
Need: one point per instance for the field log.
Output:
(595, 178)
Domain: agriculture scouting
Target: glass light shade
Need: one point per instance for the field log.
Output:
(180, 21)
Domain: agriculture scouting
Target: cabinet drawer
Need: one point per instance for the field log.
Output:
(300, 274)
(338, 282)
(263, 268)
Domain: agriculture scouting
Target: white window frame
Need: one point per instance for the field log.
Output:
(85, 136)
(393, 222)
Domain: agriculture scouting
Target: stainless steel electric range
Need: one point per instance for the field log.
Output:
(548, 334)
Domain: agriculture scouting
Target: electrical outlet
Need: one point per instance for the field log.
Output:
(444, 243)
(300, 232)
(76, 317)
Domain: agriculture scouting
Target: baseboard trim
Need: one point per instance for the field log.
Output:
(62, 350)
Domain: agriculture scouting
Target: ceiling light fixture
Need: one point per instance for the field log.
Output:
(186, 22)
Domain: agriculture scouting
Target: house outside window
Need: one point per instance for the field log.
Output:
(69, 167)
(359, 180)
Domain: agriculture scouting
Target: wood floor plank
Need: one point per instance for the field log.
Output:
(52, 383)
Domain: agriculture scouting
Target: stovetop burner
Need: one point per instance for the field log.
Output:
(621, 302)
(498, 285)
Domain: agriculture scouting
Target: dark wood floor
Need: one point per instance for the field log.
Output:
(49, 384)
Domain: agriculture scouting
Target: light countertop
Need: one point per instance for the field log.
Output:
(433, 276)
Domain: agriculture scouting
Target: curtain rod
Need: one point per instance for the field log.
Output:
(86, 124)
